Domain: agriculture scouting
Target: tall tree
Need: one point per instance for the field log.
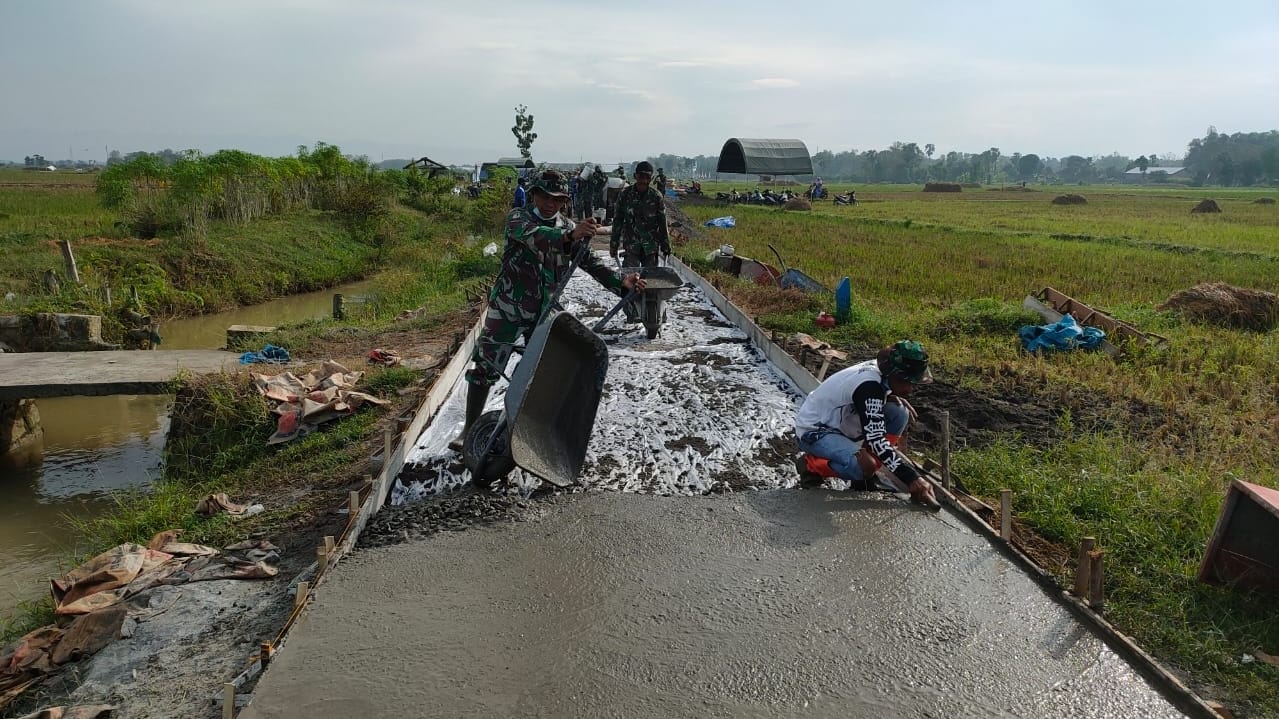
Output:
(523, 131)
(1028, 166)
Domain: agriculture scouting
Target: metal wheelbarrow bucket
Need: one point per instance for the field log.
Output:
(661, 284)
(549, 408)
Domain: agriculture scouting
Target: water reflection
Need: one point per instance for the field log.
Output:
(94, 445)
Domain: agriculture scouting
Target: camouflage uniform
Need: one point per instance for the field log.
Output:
(597, 183)
(537, 257)
(639, 227)
(660, 182)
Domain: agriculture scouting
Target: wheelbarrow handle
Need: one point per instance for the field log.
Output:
(628, 298)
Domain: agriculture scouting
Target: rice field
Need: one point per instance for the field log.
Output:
(1181, 419)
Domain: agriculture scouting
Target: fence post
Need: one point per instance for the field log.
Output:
(1083, 566)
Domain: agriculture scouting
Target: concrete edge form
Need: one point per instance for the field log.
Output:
(392, 463)
(1181, 695)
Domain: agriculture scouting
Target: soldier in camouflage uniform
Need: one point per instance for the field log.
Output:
(639, 226)
(597, 183)
(540, 246)
(660, 181)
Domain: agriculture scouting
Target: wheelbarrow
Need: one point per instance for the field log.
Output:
(549, 408)
(661, 284)
(792, 277)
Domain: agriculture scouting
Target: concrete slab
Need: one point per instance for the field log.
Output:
(32, 375)
(762, 604)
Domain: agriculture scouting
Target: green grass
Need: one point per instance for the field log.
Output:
(217, 441)
(951, 269)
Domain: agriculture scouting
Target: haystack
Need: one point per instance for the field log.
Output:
(1206, 206)
(1264, 201)
(1070, 200)
(1221, 304)
(797, 203)
(942, 187)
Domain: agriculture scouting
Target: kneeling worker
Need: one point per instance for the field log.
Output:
(850, 425)
(540, 247)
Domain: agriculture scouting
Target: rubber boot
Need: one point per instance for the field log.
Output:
(476, 396)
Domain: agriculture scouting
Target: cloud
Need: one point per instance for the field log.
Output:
(774, 82)
(684, 63)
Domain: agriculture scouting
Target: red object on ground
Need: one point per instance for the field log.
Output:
(825, 320)
(819, 466)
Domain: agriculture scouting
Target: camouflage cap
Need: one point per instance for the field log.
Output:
(552, 183)
(908, 359)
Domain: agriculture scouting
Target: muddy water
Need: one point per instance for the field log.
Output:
(94, 445)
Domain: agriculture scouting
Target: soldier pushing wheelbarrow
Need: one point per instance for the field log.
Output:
(542, 250)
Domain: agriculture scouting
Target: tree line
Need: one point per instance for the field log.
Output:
(1239, 160)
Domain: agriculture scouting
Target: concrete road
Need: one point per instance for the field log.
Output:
(779, 603)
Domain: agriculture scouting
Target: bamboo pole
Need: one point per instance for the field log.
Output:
(73, 273)
(1096, 598)
(338, 310)
(945, 449)
(1083, 566)
(1006, 513)
(228, 701)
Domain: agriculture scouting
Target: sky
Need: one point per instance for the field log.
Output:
(612, 81)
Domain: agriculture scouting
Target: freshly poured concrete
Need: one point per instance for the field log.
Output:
(760, 604)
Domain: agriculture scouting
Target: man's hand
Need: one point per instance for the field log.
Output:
(921, 492)
(584, 229)
(906, 405)
(633, 281)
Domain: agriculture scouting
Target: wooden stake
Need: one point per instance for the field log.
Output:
(1006, 513)
(821, 373)
(1096, 598)
(73, 273)
(304, 588)
(338, 309)
(388, 442)
(228, 701)
(329, 544)
(354, 499)
(945, 449)
(265, 652)
(106, 295)
(1083, 566)
(321, 559)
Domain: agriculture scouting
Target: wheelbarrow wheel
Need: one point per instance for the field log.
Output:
(498, 462)
(653, 312)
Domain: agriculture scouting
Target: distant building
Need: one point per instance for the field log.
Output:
(519, 164)
(1136, 176)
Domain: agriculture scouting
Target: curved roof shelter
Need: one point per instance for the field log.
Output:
(764, 157)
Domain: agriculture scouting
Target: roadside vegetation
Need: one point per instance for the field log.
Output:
(1168, 426)
(424, 246)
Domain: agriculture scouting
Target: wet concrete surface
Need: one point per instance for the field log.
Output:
(758, 604)
(710, 599)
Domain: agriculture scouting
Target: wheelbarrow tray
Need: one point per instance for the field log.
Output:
(660, 283)
(553, 396)
(795, 278)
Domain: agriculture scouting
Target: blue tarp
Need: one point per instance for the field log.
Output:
(722, 222)
(1065, 334)
(269, 355)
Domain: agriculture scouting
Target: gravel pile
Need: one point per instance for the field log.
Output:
(444, 513)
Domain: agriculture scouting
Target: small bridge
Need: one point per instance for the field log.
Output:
(33, 375)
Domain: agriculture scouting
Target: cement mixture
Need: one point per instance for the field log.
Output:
(759, 604)
(697, 410)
